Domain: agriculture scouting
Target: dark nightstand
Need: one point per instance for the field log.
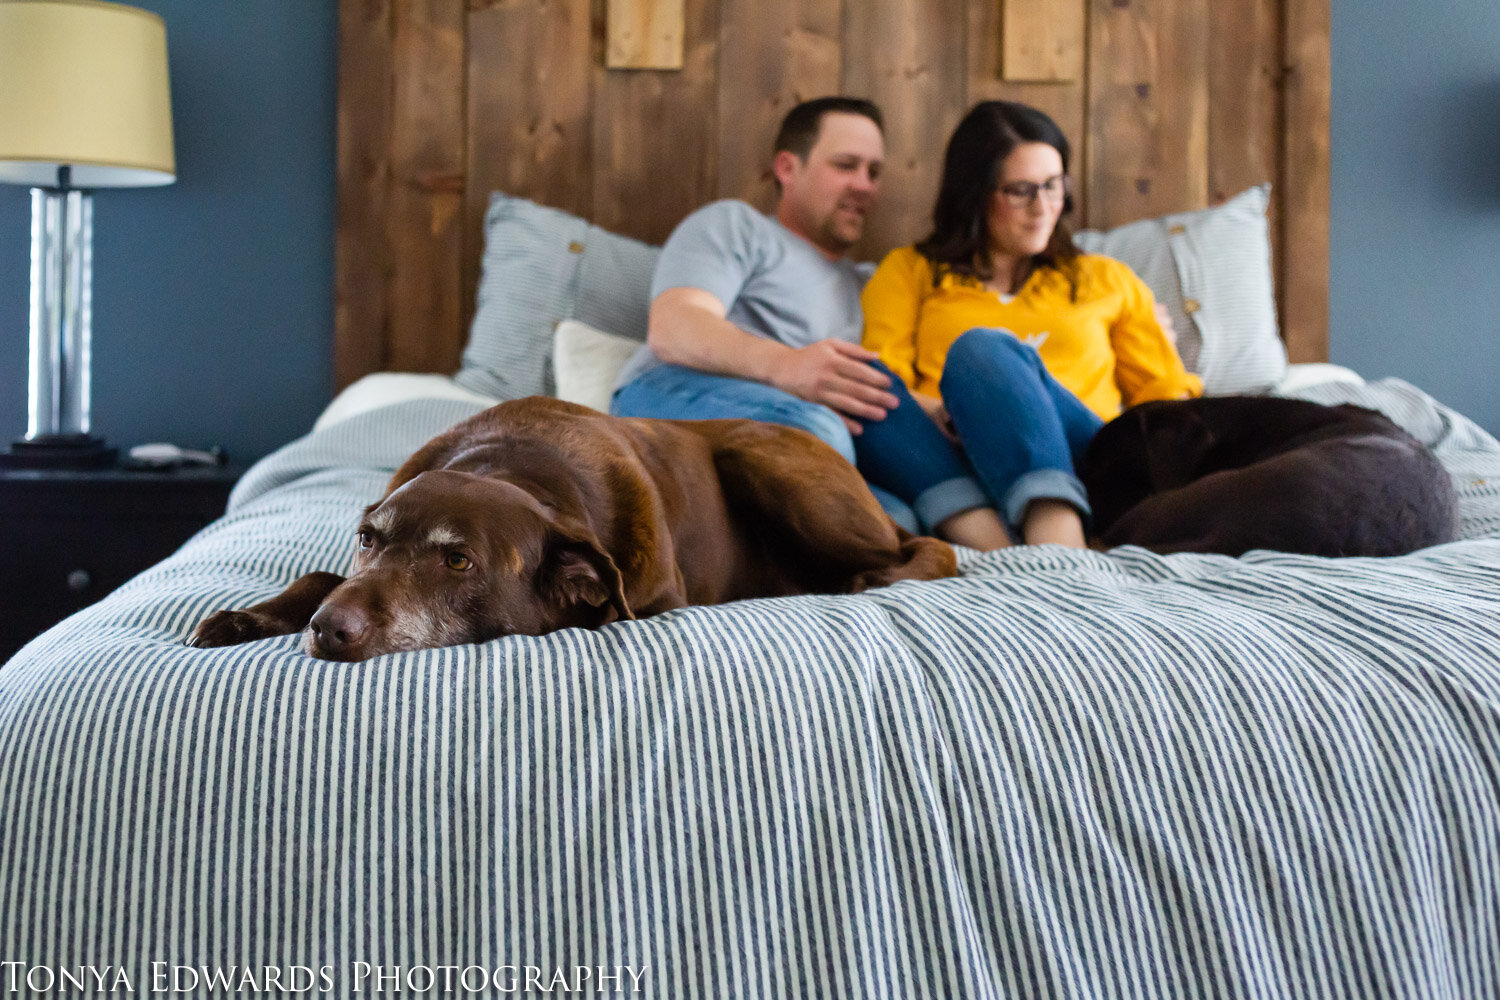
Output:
(67, 538)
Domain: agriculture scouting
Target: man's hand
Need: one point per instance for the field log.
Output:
(688, 327)
(838, 375)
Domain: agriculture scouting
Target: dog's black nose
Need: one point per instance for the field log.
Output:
(337, 631)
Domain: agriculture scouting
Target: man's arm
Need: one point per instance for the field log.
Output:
(688, 327)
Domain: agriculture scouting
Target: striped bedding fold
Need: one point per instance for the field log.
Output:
(1061, 774)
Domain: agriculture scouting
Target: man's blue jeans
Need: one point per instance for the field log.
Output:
(1021, 435)
(677, 393)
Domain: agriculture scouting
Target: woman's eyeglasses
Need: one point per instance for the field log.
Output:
(1021, 194)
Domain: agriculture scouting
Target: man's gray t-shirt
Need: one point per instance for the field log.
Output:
(773, 282)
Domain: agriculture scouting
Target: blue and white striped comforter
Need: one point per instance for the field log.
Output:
(1062, 774)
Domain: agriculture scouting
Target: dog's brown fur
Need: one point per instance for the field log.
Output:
(537, 515)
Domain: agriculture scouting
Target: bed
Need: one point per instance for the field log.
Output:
(1059, 774)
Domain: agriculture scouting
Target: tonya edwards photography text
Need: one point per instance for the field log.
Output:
(358, 977)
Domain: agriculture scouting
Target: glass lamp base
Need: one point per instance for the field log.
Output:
(58, 451)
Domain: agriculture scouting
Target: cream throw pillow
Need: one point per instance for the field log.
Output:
(586, 361)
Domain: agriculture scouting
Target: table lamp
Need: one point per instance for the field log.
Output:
(84, 104)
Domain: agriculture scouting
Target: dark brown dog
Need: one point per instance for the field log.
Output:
(1233, 473)
(537, 515)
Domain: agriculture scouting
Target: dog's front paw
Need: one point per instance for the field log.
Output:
(230, 628)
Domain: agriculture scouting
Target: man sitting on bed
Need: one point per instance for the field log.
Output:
(758, 316)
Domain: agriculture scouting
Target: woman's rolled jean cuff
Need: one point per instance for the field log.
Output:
(937, 503)
(898, 509)
(1044, 484)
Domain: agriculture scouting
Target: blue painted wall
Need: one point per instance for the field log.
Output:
(1415, 263)
(214, 297)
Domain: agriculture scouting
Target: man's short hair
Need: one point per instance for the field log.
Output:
(800, 127)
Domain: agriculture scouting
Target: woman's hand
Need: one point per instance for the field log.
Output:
(1164, 319)
(938, 411)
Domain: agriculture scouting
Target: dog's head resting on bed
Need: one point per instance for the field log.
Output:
(452, 558)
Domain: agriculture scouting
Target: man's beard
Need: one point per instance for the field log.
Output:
(841, 237)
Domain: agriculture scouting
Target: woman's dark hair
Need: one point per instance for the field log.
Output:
(960, 238)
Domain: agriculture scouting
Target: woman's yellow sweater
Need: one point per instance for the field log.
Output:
(1107, 347)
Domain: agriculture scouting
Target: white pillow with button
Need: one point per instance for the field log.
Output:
(586, 362)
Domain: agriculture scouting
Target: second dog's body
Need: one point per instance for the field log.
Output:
(1233, 473)
(538, 514)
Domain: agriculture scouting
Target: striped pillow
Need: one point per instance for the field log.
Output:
(1212, 270)
(541, 266)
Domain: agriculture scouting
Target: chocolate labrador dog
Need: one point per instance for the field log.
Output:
(538, 515)
(1233, 473)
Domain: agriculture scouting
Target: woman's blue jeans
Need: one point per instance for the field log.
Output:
(678, 393)
(1021, 435)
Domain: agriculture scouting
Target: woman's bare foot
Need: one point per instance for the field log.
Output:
(1053, 522)
(979, 528)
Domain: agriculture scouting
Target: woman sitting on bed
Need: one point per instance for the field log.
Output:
(1009, 348)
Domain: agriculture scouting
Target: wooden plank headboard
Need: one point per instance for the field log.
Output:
(1178, 104)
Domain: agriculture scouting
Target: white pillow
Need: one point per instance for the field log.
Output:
(586, 361)
(1300, 376)
(1212, 270)
(385, 388)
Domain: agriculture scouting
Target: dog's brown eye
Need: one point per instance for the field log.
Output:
(458, 561)
(365, 541)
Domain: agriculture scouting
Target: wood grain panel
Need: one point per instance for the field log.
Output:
(1148, 108)
(901, 54)
(644, 34)
(1042, 39)
(362, 253)
(530, 116)
(774, 54)
(1244, 99)
(1303, 275)
(529, 107)
(427, 183)
(1064, 102)
(654, 136)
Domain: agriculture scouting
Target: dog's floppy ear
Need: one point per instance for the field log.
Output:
(577, 574)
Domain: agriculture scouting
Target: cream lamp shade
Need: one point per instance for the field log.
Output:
(83, 84)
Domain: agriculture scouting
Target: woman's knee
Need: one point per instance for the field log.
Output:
(991, 356)
(986, 345)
